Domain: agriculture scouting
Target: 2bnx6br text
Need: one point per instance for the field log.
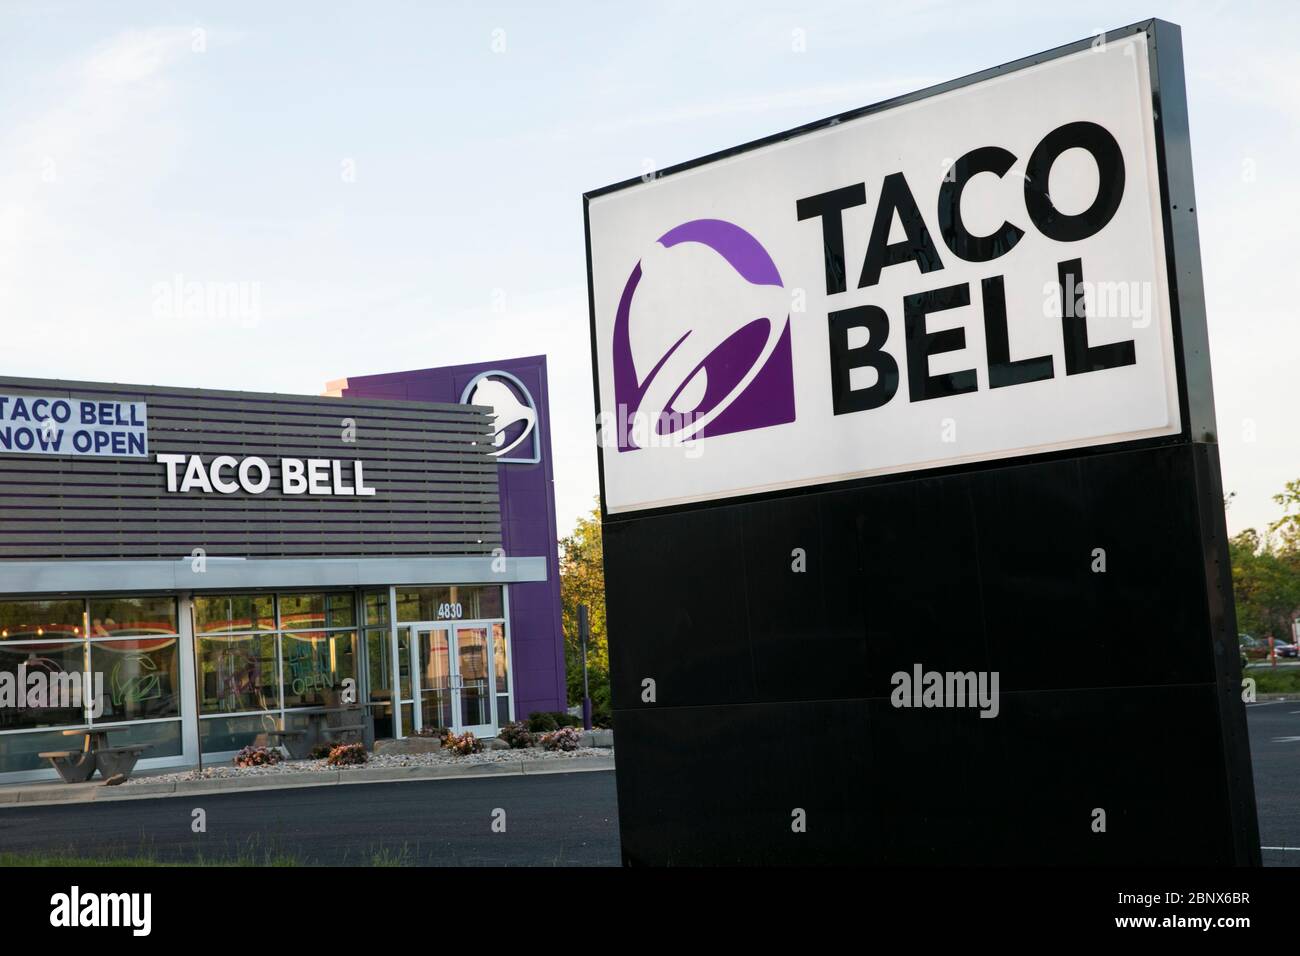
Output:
(896, 199)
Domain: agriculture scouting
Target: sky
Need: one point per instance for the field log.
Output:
(381, 186)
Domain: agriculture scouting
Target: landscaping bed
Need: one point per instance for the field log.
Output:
(439, 759)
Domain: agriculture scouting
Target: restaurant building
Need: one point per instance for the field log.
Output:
(227, 563)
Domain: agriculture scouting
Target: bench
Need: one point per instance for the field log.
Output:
(78, 766)
(345, 728)
(335, 724)
(114, 760)
(73, 766)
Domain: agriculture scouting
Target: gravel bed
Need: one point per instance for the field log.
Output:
(439, 759)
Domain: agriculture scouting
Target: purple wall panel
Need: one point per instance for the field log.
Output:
(528, 527)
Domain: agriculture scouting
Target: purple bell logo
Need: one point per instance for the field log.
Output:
(714, 357)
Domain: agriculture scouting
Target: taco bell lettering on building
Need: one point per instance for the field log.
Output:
(226, 474)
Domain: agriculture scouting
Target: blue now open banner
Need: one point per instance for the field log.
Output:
(58, 425)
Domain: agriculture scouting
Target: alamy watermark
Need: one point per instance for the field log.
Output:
(130, 910)
(216, 303)
(38, 688)
(645, 430)
(922, 688)
(1099, 300)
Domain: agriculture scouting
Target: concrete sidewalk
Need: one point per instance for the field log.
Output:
(47, 794)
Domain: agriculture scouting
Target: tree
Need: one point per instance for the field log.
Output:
(1266, 572)
(582, 581)
(1288, 526)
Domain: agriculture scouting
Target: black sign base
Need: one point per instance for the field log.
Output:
(1096, 587)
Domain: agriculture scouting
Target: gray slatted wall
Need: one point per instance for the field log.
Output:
(436, 485)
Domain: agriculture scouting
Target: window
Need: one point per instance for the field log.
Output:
(262, 656)
(453, 603)
(379, 664)
(310, 611)
(377, 607)
(140, 678)
(54, 664)
(109, 662)
(234, 612)
(238, 673)
(230, 733)
(502, 670)
(315, 665)
(129, 617)
(21, 751)
(32, 620)
(262, 661)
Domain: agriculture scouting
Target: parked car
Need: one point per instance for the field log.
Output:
(1257, 649)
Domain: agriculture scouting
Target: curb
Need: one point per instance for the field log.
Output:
(62, 794)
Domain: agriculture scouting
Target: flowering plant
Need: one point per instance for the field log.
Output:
(252, 756)
(347, 754)
(462, 744)
(566, 738)
(517, 735)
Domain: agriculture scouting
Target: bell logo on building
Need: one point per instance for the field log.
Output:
(515, 415)
(723, 363)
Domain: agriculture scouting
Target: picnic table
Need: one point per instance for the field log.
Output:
(78, 766)
(324, 725)
(343, 720)
(297, 742)
(95, 739)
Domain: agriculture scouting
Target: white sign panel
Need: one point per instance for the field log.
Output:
(76, 427)
(975, 275)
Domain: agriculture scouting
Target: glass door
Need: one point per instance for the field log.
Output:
(472, 680)
(455, 670)
(437, 683)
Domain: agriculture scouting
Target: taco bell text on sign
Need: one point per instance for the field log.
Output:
(975, 275)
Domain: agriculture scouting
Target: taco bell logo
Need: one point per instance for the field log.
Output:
(514, 415)
(723, 363)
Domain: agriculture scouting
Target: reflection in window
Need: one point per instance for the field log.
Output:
(315, 666)
(502, 668)
(238, 674)
(60, 666)
(379, 664)
(233, 612)
(382, 714)
(217, 734)
(162, 739)
(472, 662)
(435, 677)
(141, 678)
(377, 607)
(34, 620)
(404, 661)
(131, 616)
(309, 611)
(22, 751)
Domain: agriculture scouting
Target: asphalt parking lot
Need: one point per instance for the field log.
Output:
(549, 820)
(1275, 752)
(545, 820)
